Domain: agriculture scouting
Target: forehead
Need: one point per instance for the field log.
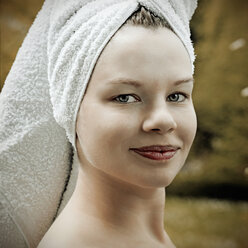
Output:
(156, 54)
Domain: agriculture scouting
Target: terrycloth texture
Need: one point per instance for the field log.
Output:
(41, 98)
(34, 150)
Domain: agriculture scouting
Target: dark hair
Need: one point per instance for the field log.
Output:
(144, 17)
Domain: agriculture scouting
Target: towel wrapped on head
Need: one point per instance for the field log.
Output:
(41, 98)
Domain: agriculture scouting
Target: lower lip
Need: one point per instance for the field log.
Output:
(161, 156)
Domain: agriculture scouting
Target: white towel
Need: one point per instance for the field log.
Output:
(40, 100)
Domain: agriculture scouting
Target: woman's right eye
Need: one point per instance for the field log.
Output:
(125, 98)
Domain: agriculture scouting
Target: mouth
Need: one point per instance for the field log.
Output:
(157, 152)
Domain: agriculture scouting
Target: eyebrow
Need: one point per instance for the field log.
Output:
(126, 81)
(182, 81)
(138, 84)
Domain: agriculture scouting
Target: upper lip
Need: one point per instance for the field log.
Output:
(156, 148)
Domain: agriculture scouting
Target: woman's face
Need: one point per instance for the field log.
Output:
(139, 96)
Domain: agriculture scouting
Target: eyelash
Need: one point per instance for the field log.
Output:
(179, 93)
(138, 99)
(134, 96)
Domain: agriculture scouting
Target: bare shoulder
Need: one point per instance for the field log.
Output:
(68, 237)
(59, 234)
(67, 231)
(55, 237)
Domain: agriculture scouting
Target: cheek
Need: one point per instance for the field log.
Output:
(187, 124)
(103, 132)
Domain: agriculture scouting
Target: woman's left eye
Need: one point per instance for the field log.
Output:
(177, 97)
(125, 98)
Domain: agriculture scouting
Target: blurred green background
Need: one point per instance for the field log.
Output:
(207, 204)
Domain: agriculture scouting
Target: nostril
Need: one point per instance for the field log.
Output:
(156, 129)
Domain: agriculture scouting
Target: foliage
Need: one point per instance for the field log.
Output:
(220, 151)
(206, 223)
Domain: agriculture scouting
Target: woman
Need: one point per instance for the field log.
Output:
(132, 132)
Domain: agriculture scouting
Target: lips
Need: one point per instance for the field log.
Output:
(156, 152)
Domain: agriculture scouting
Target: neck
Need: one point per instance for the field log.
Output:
(119, 205)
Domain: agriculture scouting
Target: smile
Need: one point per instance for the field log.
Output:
(161, 153)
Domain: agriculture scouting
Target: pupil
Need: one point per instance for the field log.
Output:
(124, 98)
(174, 97)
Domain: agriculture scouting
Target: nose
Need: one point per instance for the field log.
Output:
(159, 120)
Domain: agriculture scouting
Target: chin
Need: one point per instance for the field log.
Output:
(161, 182)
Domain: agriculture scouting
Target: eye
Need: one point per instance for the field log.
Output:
(126, 98)
(177, 97)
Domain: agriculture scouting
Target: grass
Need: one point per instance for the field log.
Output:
(206, 223)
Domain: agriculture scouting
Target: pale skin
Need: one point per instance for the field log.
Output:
(119, 198)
